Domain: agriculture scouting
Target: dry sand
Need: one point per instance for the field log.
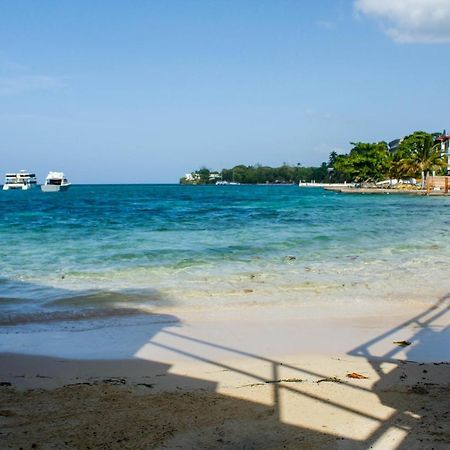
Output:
(266, 379)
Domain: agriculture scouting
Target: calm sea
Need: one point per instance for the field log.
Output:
(103, 250)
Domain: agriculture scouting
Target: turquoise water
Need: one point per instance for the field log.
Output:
(119, 249)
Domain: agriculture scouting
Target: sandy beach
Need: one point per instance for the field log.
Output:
(255, 378)
(224, 225)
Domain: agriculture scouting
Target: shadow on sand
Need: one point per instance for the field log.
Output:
(132, 403)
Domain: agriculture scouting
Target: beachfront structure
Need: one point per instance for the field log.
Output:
(443, 141)
(438, 183)
(215, 176)
(192, 177)
(393, 145)
(201, 177)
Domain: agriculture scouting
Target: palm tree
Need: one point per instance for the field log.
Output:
(400, 167)
(421, 154)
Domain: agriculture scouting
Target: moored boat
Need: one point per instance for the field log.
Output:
(22, 180)
(227, 183)
(55, 182)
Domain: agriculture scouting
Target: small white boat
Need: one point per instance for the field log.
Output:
(22, 180)
(227, 183)
(55, 182)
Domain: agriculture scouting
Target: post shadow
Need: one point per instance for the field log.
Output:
(405, 418)
(260, 425)
(125, 402)
(396, 391)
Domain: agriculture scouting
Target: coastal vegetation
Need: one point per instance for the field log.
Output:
(416, 156)
(258, 174)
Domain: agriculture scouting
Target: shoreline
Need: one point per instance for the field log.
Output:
(384, 191)
(307, 328)
(264, 378)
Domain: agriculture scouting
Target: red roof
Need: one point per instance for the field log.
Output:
(443, 138)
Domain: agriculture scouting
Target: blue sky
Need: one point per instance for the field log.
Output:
(145, 91)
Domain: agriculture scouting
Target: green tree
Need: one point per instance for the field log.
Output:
(263, 174)
(365, 162)
(204, 175)
(239, 173)
(419, 155)
(332, 158)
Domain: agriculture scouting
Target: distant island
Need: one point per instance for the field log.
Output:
(413, 156)
(257, 174)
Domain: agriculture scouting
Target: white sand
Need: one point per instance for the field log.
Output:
(280, 375)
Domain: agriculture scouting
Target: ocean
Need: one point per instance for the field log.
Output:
(101, 251)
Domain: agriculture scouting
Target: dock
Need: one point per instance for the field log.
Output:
(385, 191)
(436, 186)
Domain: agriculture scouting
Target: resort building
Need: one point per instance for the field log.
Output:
(215, 176)
(393, 145)
(444, 141)
(192, 177)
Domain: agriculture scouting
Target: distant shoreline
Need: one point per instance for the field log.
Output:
(325, 185)
(384, 191)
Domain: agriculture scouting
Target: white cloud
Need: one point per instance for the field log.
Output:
(410, 21)
(19, 84)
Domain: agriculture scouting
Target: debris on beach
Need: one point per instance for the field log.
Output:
(356, 375)
(253, 385)
(285, 380)
(114, 381)
(402, 343)
(248, 291)
(329, 380)
(147, 385)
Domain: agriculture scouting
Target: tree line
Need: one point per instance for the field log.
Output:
(417, 155)
(258, 174)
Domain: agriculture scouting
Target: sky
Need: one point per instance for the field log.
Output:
(146, 91)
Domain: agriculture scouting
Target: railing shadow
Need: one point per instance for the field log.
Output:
(402, 422)
(87, 407)
(423, 340)
(265, 425)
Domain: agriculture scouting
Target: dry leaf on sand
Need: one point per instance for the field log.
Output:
(356, 375)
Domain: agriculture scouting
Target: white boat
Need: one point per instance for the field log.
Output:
(22, 180)
(55, 182)
(227, 183)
